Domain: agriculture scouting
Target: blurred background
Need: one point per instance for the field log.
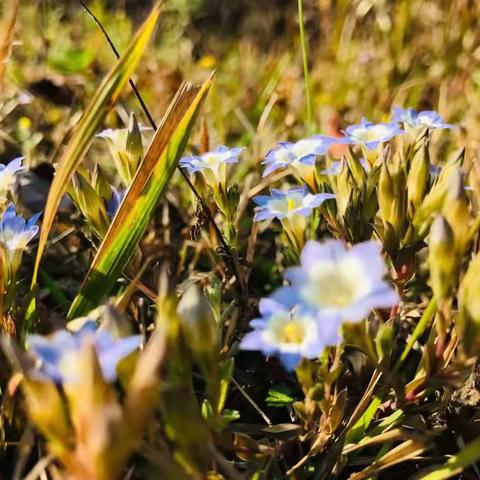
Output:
(365, 56)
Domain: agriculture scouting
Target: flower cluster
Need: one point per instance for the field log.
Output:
(333, 284)
(58, 355)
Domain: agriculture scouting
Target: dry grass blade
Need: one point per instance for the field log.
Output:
(401, 453)
(105, 97)
(151, 179)
(6, 37)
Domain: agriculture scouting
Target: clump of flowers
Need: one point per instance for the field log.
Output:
(334, 284)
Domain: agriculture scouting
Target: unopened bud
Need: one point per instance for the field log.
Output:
(356, 168)
(468, 321)
(198, 323)
(90, 204)
(474, 183)
(418, 176)
(455, 210)
(134, 139)
(344, 187)
(442, 259)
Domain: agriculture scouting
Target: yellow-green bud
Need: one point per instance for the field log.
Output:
(441, 258)
(90, 204)
(474, 182)
(197, 322)
(344, 187)
(386, 195)
(134, 139)
(455, 210)
(468, 321)
(418, 176)
(356, 168)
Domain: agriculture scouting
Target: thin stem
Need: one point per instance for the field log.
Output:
(252, 402)
(306, 74)
(232, 257)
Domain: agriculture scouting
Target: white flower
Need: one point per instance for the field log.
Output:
(289, 333)
(7, 176)
(212, 164)
(339, 283)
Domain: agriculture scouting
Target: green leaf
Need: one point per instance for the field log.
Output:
(279, 396)
(104, 99)
(467, 456)
(133, 216)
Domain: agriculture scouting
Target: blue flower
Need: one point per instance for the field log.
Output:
(296, 155)
(15, 234)
(338, 283)
(296, 201)
(414, 119)
(7, 176)
(115, 201)
(371, 135)
(212, 165)
(58, 355)
(289, 333)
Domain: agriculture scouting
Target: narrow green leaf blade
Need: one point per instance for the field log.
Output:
(106, 96)
(148, 186)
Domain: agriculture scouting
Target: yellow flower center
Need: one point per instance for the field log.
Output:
(291, 204)
(292, 332)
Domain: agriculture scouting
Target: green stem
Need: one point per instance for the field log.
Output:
(306, 74)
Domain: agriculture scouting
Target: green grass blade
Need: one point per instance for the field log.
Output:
(466, 457)
(147, 188)
(106, 96)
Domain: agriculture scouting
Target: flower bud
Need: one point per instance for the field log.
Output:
(474, 182)
(90, 204)
(386, 195)
(418, 176)
(134, 140)
(391, 196)
(356, 168)
(198, 323)
(468, 321)
(455, 210)
(344, 187)
(442, 260)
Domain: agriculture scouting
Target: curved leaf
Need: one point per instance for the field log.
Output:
(148, 186)
(106, 96)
